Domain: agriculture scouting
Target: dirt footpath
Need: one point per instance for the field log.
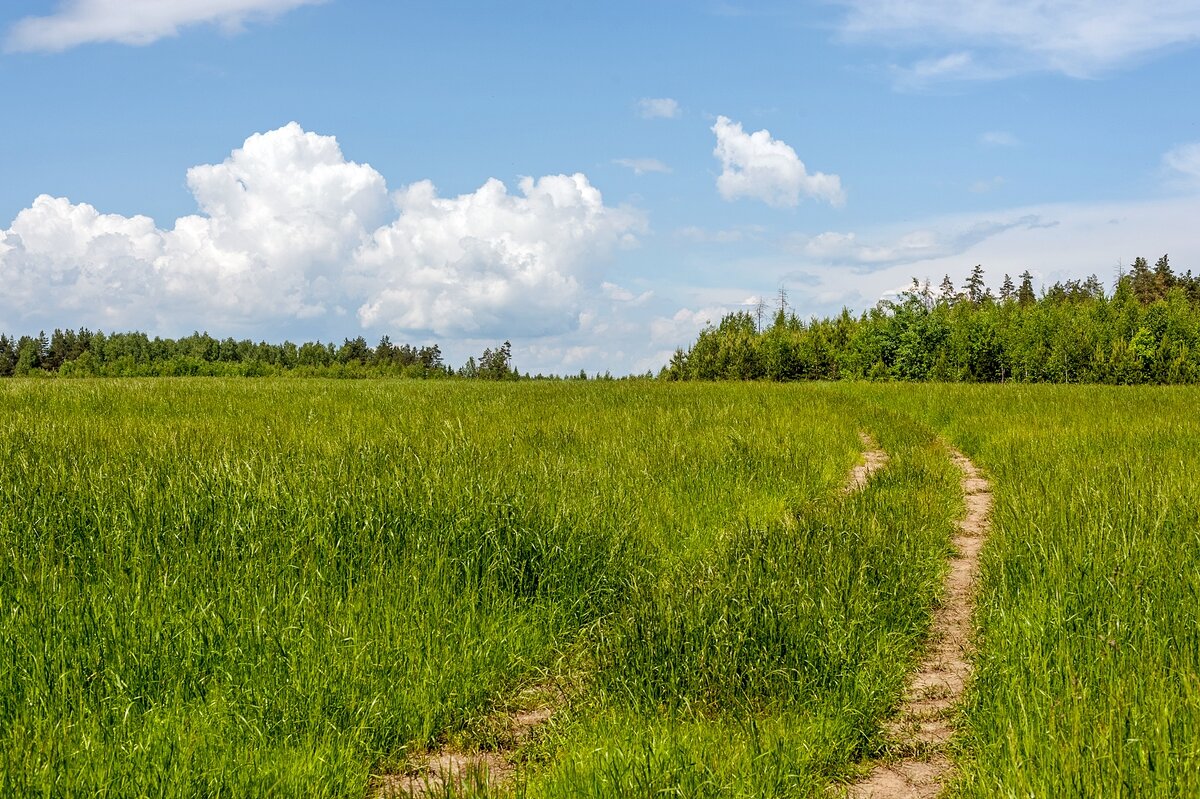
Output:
(918, 766)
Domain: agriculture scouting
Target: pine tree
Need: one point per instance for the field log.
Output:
(496, 364)
(977, 290)
(1142, 281)
(430, 357)
(1025, 295)
(947, 296)
(355, 349)
(58, 351)
(8, 356)
(1007, 290)
(1164, 278)
(385, 352)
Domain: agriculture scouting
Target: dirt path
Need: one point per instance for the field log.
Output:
(458, 768)
(461, 769)
(918, 736)
(874, 459)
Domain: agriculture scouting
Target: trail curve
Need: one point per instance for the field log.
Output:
(874, 459)
(451, 769)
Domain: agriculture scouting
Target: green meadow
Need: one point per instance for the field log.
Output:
(1088, 671)
(231, 587)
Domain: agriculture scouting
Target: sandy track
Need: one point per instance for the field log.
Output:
(918, 736)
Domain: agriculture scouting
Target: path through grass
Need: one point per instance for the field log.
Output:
(1089, 610)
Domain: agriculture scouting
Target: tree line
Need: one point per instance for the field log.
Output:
(1147, 330)
(84, 353)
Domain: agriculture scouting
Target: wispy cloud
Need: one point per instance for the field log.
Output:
(138, 22)
(618, 293)
(1183, 162)
(641, 166)
(951, 65)
(846, 249)
(998, 138)
(727, 236)
(982, 39)
(658, 108)
(984, 186)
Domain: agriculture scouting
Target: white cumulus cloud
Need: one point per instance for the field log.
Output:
(997, 38)
(291, 231)
(77, 22)
(658, 108)
(759, 166)
(81, 261)
(490, 261)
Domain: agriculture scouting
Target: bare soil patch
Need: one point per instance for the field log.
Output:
(874, 459)
(461, 769)
(918, 766)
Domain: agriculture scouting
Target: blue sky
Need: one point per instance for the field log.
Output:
(679, 160)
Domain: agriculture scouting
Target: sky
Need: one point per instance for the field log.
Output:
(593, 181)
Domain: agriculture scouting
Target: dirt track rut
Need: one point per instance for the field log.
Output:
(919, 766)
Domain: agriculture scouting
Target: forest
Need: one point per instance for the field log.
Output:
(84, 353)
(1146, 331)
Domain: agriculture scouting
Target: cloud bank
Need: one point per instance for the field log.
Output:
(758, 166)
(291, 231)
(136, 22)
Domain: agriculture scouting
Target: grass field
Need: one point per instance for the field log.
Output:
(1088, 680)
(254, 588)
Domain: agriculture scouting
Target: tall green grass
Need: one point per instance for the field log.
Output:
(765, 668)
(223, 588)
(1089, 605)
